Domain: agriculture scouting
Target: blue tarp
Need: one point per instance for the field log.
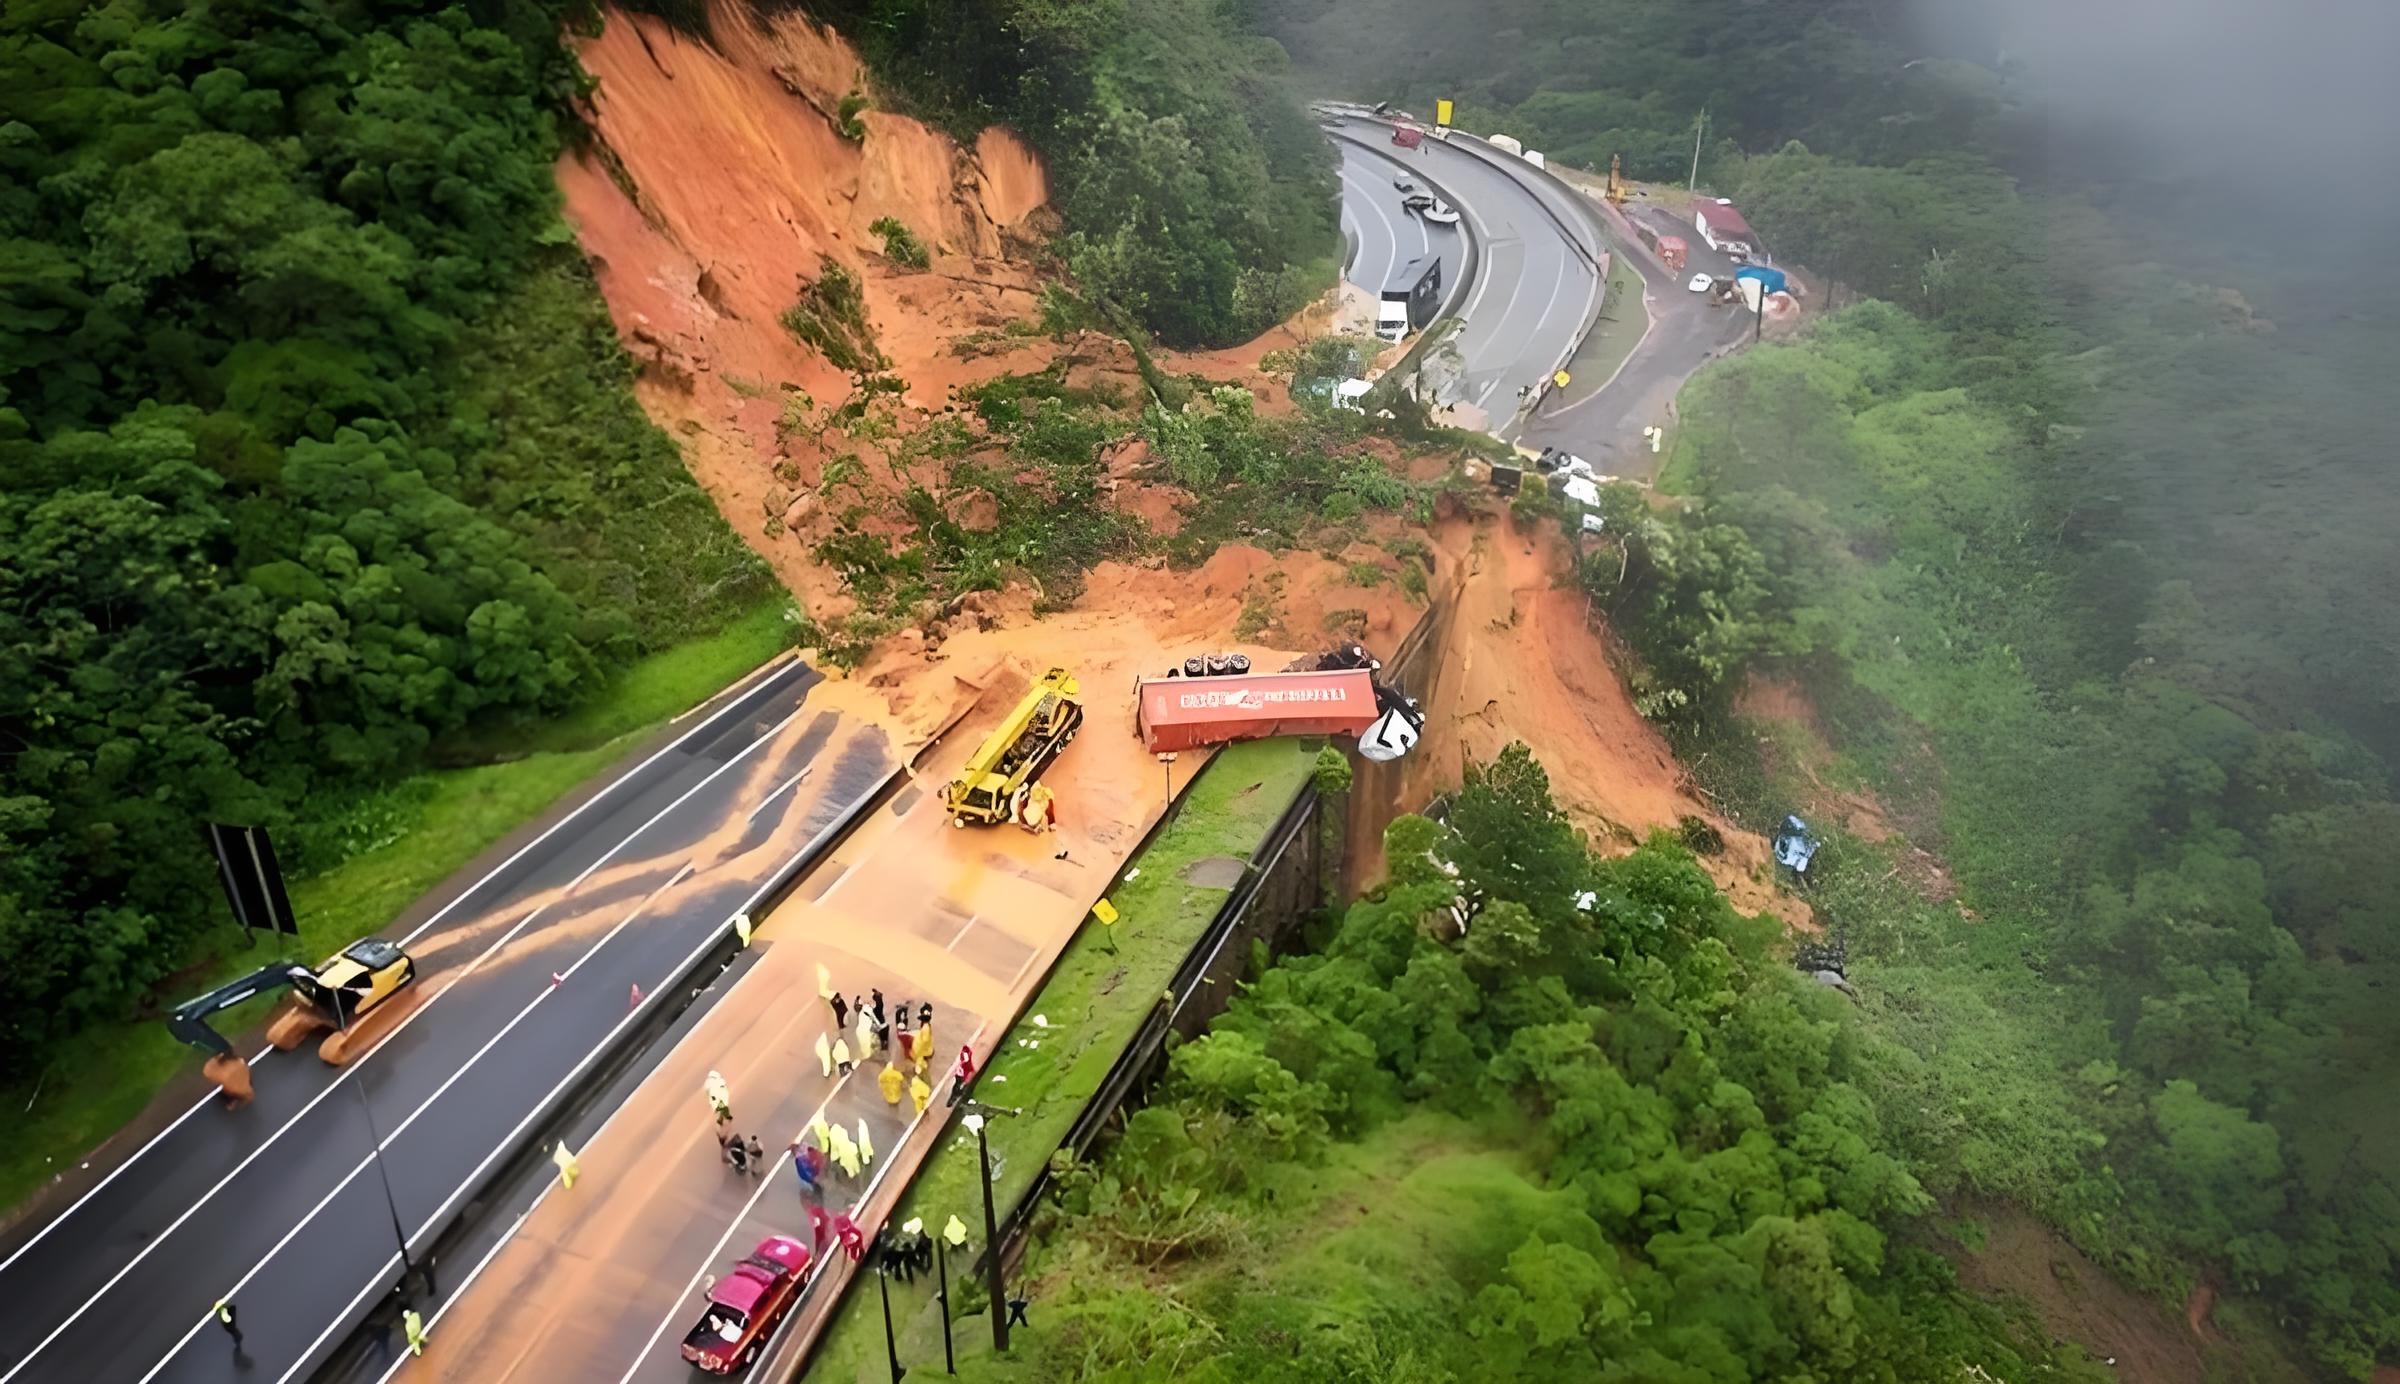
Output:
(1769, 280)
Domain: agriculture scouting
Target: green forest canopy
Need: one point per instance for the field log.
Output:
(2079, 538)
(1622, 1142)
(315, 446)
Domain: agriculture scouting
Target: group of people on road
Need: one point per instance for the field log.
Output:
(877, 1029)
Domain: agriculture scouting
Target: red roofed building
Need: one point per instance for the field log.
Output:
(1724, 229)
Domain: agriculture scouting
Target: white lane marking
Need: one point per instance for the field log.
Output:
(1548, 305)
(1390, 231)
(792, 782)
(347, 1072)
(444, 912)
(364, 1163)
(458, 1294)
(1483, 281)
(1391, 235)
(962, 932)
(390, 1261)
(817, 1266)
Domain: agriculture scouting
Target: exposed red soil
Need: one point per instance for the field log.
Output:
(741, 184)
(1519, 656)
(719, 186)
(1777, 700)
(2079, 1301)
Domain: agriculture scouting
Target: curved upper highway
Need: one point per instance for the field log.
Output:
(1537, 283)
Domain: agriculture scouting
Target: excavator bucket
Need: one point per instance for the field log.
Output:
(232, 1074)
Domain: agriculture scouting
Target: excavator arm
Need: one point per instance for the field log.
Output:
(189, 1020)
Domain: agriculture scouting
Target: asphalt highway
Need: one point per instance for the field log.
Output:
(600, 1282)
(1684, 334)
(1536, 285)
(527, 974)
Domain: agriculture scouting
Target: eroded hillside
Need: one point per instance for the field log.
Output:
(722, 191)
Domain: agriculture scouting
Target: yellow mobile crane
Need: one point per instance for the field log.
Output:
(998, 783)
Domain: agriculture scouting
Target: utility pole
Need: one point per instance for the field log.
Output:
(883, 1288)
(941, 1265)
(408, 1270)
(1697, 127)
(974, 1120)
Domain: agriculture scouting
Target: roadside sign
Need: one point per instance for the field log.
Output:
(253, 879)
(1441, 112)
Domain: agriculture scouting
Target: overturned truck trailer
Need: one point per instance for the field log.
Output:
(1181, 713)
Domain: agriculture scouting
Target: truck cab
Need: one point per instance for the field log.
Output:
(745, 1305)
(1410, 298)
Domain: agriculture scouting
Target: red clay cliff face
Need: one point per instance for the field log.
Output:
(719, 184)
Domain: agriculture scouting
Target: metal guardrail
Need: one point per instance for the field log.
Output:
(1474, 255)
(644, 1024)
(1126, 1075)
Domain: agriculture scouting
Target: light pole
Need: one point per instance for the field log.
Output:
(991, 1223)
(941, 1267)
(408, 1269)
(883, 1289)
(1697, 127)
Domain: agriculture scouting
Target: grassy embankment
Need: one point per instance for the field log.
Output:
(1623, 320)
(1094, 1001)
(407, 839)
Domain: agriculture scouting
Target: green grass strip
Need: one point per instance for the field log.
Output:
(424, 829)
(1095, 1001)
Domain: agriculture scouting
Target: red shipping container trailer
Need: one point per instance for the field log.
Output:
(1407, 136)
(1184, 713)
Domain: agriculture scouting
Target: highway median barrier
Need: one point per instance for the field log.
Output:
(525, 1160)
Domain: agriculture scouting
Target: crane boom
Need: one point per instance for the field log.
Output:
(1018, 749)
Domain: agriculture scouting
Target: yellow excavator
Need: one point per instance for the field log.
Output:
(998, 785)
(358, 982)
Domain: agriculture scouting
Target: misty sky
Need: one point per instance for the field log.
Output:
(2291, 92)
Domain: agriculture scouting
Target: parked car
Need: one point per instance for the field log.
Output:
(1417, 202)
(1404, 183)
(1701, 283)
(745, 1305)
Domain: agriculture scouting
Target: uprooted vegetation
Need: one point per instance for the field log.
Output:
(900, 244)
(831, 316)
(1038, 478)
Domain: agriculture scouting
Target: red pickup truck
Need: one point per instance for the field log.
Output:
(745, 1305)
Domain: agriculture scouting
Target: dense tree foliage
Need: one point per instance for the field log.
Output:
(2182, 886)
(1193, 191)
(314, 446)
(1651, 1158)
(2079, 539)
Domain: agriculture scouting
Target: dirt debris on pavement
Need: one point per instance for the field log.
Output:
(720, 185)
